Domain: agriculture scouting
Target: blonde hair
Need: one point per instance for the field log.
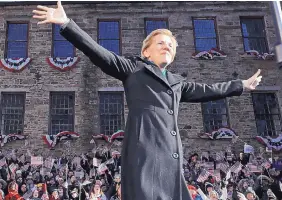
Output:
(149, 39)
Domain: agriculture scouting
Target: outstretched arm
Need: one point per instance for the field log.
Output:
(196, 92)
(112, 64)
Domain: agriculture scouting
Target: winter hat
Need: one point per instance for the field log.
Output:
(115, 153)
(207, 185)
(99, 183)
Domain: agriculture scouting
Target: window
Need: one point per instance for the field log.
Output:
(17, 37)
(254, 34)
(111, 109)
(61, 112)
(153, 24)
(12, 113)
(215, 115)
(267, 114)
(204, 34)
(109, 35)
(61, 47)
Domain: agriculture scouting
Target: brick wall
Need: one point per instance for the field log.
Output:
(85, 80)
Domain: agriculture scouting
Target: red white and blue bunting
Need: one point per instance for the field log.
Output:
(11, 137)
(52, 140)
(14, 64)
(62, 64)
(273, 143)
(221, 133)
(109, 138)
(256, 55)
(213, 53)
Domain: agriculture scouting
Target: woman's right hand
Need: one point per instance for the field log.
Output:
(50, 15)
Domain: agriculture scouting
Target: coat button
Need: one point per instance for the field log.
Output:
(175, 155)
(169, 91)
(170, 112)
(173, 133)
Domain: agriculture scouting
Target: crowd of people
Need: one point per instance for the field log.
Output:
(232, 177)
(96, 176)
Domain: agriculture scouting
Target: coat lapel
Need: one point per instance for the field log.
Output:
(170, 80)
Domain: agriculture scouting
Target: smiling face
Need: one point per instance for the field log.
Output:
(159, 47)
(160, 51)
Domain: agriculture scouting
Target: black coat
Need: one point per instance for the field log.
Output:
(152, 155)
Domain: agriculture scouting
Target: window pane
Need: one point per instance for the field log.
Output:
(253, 35)
(12, 113)
(204, 28)
(155, 24)
(56, 33)
(214, 115)
(111, 45)
(252, 27)
(267, 115)
(63, 49)
(205, 44)
(17, 32)
(257, 44)
(111, 112)
(108, 30)
(61, 112)
(17, 50)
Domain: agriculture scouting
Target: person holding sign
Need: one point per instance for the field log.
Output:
(152, 154)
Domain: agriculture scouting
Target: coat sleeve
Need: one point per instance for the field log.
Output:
(116, 66)
(196, 92)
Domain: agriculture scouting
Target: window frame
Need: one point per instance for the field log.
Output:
(27, 39)
(1, 108)
(278, 105)
(153, 19)
(119, 27)
(227, 115)
(264, 31)
(215, 29)
(123, 108)
(52, 45)
(50, 108)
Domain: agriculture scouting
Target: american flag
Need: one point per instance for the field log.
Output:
(203, 176)
(219, 156)
(236, 167)
(223, 167)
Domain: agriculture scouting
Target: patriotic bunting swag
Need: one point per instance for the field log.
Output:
(222, 133)
(214, 53)
(117, 135)
(256, 55)
(14, 64)
(63, 64)
(52, 140)
(11, 137)
(273, 143)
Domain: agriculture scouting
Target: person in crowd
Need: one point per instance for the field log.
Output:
(35, 195)
(96, 192)
(74, 194)
(23, 189)
(13, 192)
(117, 196)
(54, 195)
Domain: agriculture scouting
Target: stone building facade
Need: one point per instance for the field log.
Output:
(84, 94)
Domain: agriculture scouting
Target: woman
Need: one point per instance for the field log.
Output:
(13, 192)
(96, 192)
(35, 195)
(152, 153)
(117, 196)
